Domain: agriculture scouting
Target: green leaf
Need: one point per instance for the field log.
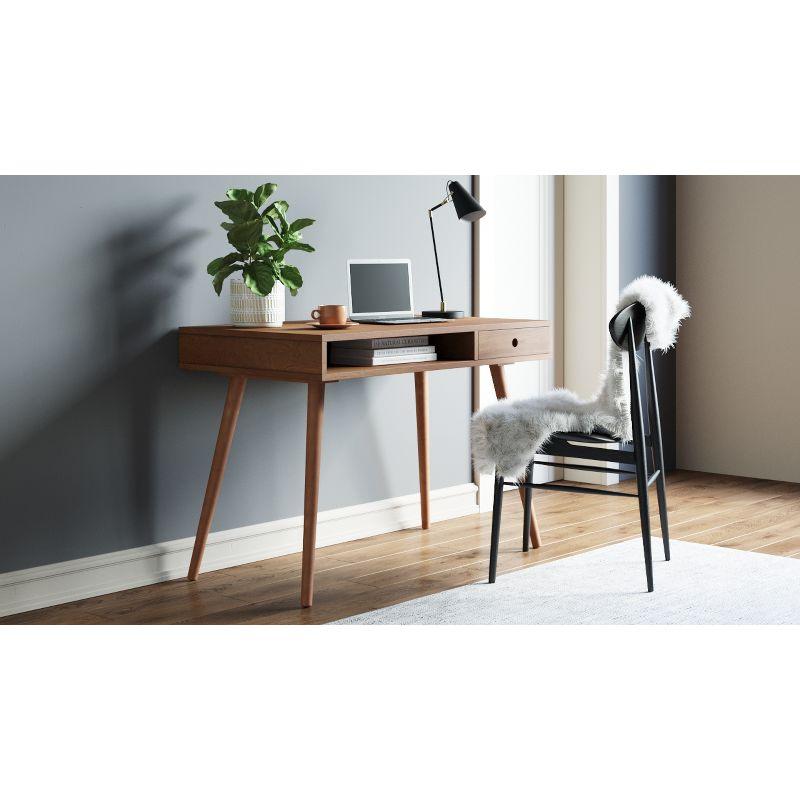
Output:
(239, 194)
(227, 225)
(276, 212)
(259, 277)
(273, 223)
(306, 248)
(244, 236)
(218, 263)
(264, 248)
(291, 278)
(279, 206)
(223, 273)
(299, 224)
(263, 192)
(237, 210)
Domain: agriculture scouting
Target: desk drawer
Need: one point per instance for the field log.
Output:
(513, 342)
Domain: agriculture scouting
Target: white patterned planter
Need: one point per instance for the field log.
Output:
(250, 310)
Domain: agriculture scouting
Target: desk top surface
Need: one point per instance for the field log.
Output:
(304, 330)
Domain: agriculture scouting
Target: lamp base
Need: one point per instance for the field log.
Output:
(443, 314)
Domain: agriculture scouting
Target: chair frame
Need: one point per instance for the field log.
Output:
(627, 331)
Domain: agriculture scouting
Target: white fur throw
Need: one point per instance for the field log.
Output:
(508, 434)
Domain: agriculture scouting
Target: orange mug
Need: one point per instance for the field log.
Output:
(330, 315)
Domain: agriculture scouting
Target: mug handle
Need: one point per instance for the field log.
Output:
(315, 314)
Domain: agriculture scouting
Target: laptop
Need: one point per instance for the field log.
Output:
(380, 291)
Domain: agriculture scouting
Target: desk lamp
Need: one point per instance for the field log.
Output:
(468, 209)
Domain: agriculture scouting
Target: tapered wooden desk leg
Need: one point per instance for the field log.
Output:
(421, 393)
(227, 427)
(499, 381)
(316, 403)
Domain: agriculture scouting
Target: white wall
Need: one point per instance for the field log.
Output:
(550, 250)
(591, 285)
(518, 277)
(738, 363)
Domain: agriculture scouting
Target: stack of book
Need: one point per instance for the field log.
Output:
(374, 352)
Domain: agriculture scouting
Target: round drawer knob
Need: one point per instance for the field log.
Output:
(514, 342)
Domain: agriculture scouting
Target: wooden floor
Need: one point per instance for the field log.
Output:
(371, 573)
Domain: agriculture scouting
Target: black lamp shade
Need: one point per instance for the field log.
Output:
(467, 207)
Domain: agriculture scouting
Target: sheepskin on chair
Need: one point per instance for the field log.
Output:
(507, 435)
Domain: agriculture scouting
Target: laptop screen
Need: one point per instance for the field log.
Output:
(380, 287)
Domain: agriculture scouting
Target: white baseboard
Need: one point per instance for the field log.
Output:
(40, 587)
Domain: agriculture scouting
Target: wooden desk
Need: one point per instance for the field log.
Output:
(297, 352)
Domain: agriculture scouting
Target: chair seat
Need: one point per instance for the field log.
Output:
(597, 436)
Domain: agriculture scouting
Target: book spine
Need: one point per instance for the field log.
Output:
(372, 344)
(403, 359)
(385, 351)
(367, 361)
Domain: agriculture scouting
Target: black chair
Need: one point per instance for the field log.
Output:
(627, 331)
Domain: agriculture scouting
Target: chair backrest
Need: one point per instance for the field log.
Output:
(618, 327)
(634, 315)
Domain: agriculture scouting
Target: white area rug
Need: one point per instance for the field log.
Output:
(702, 584)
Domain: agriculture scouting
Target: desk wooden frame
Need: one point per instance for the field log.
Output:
(299, 353)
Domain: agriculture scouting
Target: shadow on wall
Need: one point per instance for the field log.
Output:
(91, 467)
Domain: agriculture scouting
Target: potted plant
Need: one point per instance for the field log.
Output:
(261, 238)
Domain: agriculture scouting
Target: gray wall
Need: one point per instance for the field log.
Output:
(105, 444)
(647, 247)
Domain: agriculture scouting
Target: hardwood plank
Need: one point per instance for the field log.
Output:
(342, 600)
(728, 526)
(58, 615)
(269, 608)
(250, 589)
(773, 534)
(168, 602)
(786, 547)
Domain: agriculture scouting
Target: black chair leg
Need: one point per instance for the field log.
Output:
(661, 491)
(526, 525)
(497, 513)
(640, 455)
(657, 447)
(644, 516)
(644, 510)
